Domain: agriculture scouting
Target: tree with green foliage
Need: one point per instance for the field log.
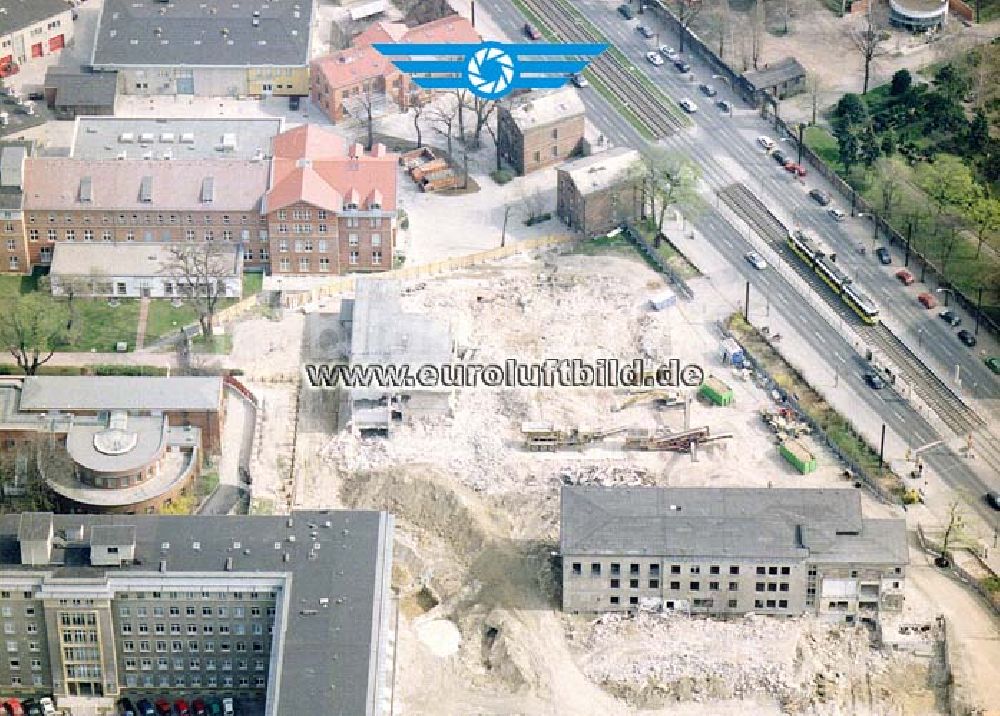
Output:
(951, 83)
(979, 132)
(901, 82)
(851, 109)
(869, 147)
(889, 143)
(985, 216)
(890, 173)
(34, 328)
(668, 181)
(948, 182)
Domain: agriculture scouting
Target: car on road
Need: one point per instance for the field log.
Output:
(145, 708)
(228, 707)
(13, 707)
(779, 157)
(725, 106)
(884, 257)
(163, 707)
(579, 80)
(837, 214)
(293, 103)
(645, 32)
(654, 58)
(993, 363)
(765, 142)
(688, 106)
(820, 197)
(531, 32)
(625, 11)
(48, 707)
(950, 318)
(682, 66)
(125, 708)
(927, 300)
(31, 707)
(755, 260)
(966, 337)
(905, 277)
(794, 168)
(200, 709)
(708, 90)
(993, 499)
(874, 381)
(667, 51)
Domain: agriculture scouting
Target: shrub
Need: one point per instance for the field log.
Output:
(901, 82)
(501, 176)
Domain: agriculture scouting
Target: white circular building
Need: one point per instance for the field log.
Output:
(918, 15)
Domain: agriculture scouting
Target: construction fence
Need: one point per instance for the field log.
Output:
(345, 284)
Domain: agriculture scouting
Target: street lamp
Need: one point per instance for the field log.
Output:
(920, 338)
(947, 294)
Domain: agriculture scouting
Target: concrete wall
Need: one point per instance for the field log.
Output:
(42, 33)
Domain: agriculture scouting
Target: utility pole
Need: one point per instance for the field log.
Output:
(854, 200)
(881, 450)
(746, 304)
(802, 128)
(923, 270)
(979, 309)
(503, 233)
(473, 13)
(909, 233)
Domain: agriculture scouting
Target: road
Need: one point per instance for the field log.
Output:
(723, 146)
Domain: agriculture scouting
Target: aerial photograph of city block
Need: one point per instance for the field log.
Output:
(500, 357)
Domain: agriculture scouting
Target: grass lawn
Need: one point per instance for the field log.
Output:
(825, 145)
(221, 345)
(253, 282)
(165, 319)
(103, 326)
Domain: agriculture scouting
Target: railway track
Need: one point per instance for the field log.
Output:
(657, 113)
(958, 416)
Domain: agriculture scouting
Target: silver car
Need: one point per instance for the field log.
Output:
(755, 260)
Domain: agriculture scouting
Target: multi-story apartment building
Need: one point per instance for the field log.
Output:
(598, 193)
(538, 129)
(330, 208)
(31, 30)
(208, 48)
(346, 81)
(15, 249)
(291, 611)
(730, 551)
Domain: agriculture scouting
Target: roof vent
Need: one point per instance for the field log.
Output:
(196, 545)
(229, 564)
(163, 565)
(286, 557)
(291, 522)
(165, 545)
(225, 32)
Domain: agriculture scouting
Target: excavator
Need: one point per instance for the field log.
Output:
(662, 398)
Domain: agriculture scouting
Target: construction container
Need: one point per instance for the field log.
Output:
(731, 352)
(797, 454)
(716, 391)
(662, 300)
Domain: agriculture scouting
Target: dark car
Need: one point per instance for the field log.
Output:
(725, 106)
(625, 11)
(293, 103)
(708, 90)
(215, 707)
(145, 708)
(884, 257)
(993, 500)
(199, 708)
(950, 318)
(820, 197)
(682, 66)
(532, 32)
(874, 381)
(993, 363)
(32, 708)
(125, 708)
(645, 32)
(36, 96)
(967, 338)
(779, 157)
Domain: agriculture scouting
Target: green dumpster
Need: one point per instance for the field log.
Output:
(797, 454)
(716, 391)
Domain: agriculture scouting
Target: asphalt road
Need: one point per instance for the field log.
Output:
(724, 148)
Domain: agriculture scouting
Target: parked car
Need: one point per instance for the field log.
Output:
(950, 318)
(682, 66)
(837, 214)
(993, 499)
(531, 32)
(48, 707)
(667, 51)
(796, 169)
(905, 277)
(182, 708)
(725, 106)
(779, 157)
(654, 58)
(125, 708)
(163, 708)
(215, 707)
(884, 257)
(755, 260)
(645, 32)
(820, 196)
(579, 80)
(145, 708)
(927, 300)
(36, 96)
(765, 142)
(688, 106)
(14, 707)
(967, 338)
(625, 11)
(708, 90)
(293, 103)
(228, 707)
(32, 708)
(199, 707)
(993, 363)
(874, 381)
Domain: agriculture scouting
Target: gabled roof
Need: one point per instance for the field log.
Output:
(308, 141)
(538, 109)
(353, 65)
(453, 28)
(775, 73)
(303, 184)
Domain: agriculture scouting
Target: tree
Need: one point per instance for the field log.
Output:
(889, 173)
(869, 146)
(868, 40)
(758, 31)
(979, 132)
(814, 88)
(985, 215)
(901, 81)
(197, 270)
(442, 116)
(461, 102)
(669, 181)
(367, 100)
(483, 109)
(417, 105)
(947, 243)
(951, 533)
(33, 329)
(532, 203)
(951, 83)
(948, 182)
(685, 11)
(721, 23)
(851, 109)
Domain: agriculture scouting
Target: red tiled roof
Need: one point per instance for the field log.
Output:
(310, 141)
(379, 32)
(351, 66)
(453, 28)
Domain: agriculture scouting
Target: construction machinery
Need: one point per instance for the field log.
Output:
(785, 422)
(683, 441)
(545, 436)
(661, 398)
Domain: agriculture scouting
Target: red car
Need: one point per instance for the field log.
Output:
(163, 708)
(13, 707)
(927, 300)
(796, 169)
(181, 707)
(905, 277)
(199, 707)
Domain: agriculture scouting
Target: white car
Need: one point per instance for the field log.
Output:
(756, 261)
(654, 58)
(837, 214)
(688, 106)
(667, 51)
(48, 708)
(765, 142)
(228, 707)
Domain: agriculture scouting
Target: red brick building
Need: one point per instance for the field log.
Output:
(539, 129)
(330, 208)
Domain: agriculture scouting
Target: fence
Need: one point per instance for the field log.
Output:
(345, 284)
(977, 584)
(654, 257)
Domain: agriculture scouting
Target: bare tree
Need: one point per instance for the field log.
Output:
(951, 533)
(868, 40)
(722, 25)
(483, 109)
(417, 105)
(889, 171)
(758, 31)
(532, 203)
(197, 271)
(685, 11)
(461, 103)
(367, 99)
(443, 115)
(670, 181)
(814, 88)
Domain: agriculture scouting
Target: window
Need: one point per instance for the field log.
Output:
(770, 604)
(376, 239)
(734, 586)
(782, 603)
(615, 599)
(675, 569)
(353, 258)
(555, 150)
(209, 235)
(555, 133)
(324, 263)
(695, 586)
(126, 628)
(654, 583)
(615, 583)
(633, 600)
(713, 586)
(758, 604)
(376, 257)
(761, 570)
(595, 569)
(772, 570)
(772, 587)
(52, 236)
(732, 604)
(654, 570)
(537, 156)
(352, 240)
(633, 584)
(695, 569)
(33, 234)
(786, 570)
(304, 264)
(577, 569)
(675, 585)
(759, 587)
(130, 236)
(714, 569)
(106, 235)
(783, 587)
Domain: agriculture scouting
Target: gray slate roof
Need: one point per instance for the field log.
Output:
(20, 14)
(775, 73)
(98, 393)
(188, 33)
(137, 259)
(111, 535)
(82, 89)
(32, 526)
(541, 108)
(738, 523)
(330, 653)
(602, 170)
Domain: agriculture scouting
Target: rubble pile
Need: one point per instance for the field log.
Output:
(606, 475)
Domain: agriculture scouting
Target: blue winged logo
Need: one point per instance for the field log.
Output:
(490, 70)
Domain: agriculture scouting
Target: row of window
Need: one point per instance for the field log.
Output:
(13, 646)
(192, 629)
(322, 246)
(7, 612)
(107, 235)
(217, 596)
(128, 646)
(15, 664)
(147, 219)
(654, 569)
(11, 628)
(36, 680)
(181, 681)
(304, 264)
(710, 603)
(192, 611)
(164, 664)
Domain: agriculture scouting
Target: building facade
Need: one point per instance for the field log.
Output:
(15, 257)
(598, 193)
(731, 551)
(32, 30)
(539, 129)
(179, 607)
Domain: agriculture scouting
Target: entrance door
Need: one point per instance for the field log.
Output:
(36, 50)
(57, 43)
(185, 83)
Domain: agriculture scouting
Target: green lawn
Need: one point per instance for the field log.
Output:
(253, 282)
(824, 144)
(101, 326)
(164, 318)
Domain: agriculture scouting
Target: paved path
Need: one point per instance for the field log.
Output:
(140, 330)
